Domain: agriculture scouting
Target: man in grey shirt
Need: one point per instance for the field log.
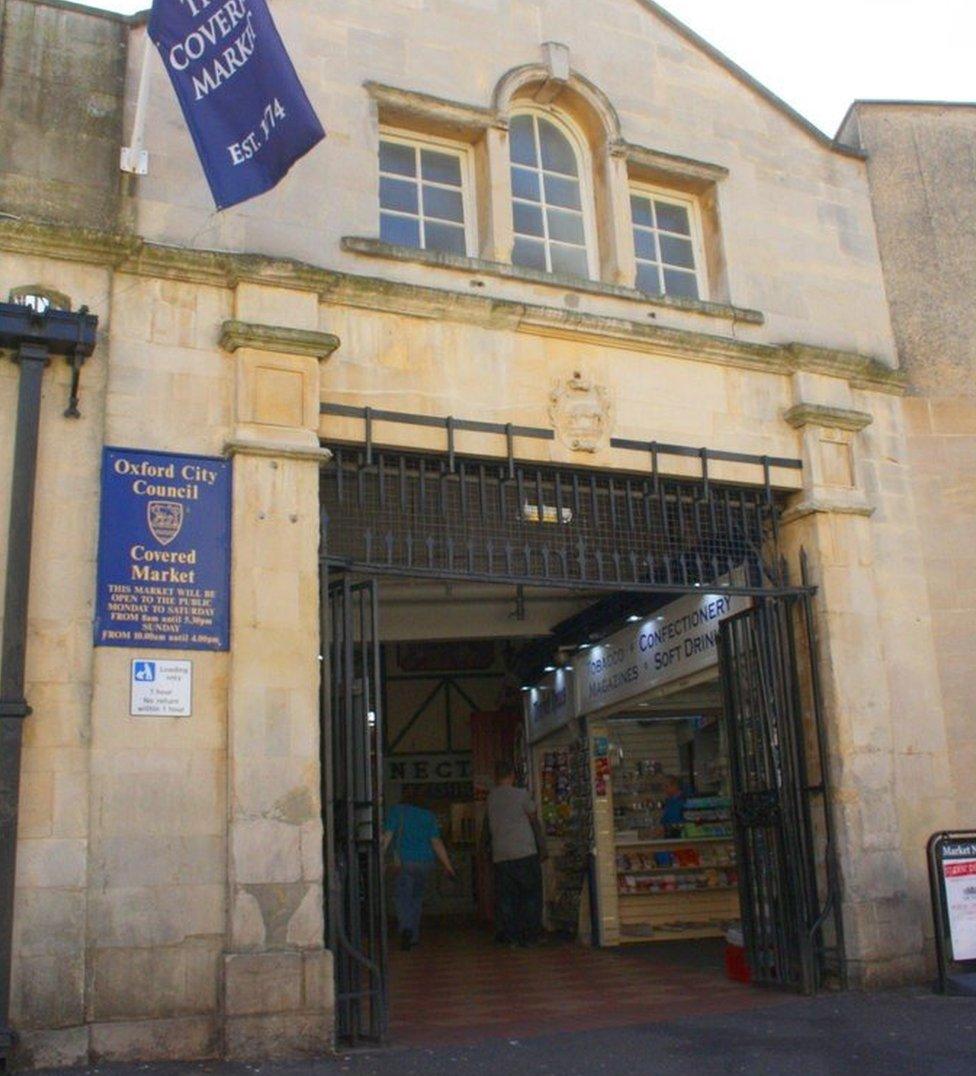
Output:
(517, 849)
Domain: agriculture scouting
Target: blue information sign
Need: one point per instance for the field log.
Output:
(163, 551)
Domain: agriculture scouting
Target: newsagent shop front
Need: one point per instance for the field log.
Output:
(656, 791)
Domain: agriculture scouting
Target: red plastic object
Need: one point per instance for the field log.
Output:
(736, 965)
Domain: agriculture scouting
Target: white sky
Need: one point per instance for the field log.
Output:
(819, 55)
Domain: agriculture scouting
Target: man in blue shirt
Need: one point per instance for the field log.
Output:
(416, 838)
(674, 807)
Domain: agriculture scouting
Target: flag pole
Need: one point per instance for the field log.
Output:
(134, 158)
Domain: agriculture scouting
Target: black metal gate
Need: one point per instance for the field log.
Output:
(785, 851)
(390, 511)
(352, 797)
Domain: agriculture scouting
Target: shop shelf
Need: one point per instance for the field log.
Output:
(671, 841)
(673, 892)
(674, 870)
(672, 935)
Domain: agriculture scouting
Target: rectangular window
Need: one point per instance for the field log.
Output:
(423, 195)
(667, 242)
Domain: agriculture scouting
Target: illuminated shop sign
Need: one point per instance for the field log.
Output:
(680, 639)
(550, 704)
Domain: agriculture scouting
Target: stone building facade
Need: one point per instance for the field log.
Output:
(922, 179)
(170, 875)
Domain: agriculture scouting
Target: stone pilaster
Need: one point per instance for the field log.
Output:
(617, 257)
(277, 975)
(858, 637)
(495, 227)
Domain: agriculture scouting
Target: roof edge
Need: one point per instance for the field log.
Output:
(92, 9)
(894, 102)
(752, 83)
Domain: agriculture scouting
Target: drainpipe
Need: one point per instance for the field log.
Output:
(33, 338)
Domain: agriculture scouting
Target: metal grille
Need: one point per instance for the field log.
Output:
(780, 904)
(352, 738)
(505, 521)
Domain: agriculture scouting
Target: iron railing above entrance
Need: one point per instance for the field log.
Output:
(652, 451)
(445, 515)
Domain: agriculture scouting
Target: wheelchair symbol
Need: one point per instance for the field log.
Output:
(144, 671)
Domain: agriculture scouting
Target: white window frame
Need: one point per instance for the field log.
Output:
(686, 201)
(465, 155)
(584, 163)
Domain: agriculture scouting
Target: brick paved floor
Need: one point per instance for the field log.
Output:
(460, 987)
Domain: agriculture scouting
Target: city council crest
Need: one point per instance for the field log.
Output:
(165, 519)
(581, 413)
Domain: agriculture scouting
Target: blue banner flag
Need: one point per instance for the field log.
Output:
(247, 112)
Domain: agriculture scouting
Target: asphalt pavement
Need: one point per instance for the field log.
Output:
(877, 1034)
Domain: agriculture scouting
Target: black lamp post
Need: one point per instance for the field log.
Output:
(32, 337)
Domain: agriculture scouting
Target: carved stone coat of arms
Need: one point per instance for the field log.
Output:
(581, 413)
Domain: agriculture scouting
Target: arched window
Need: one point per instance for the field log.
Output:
(550, 198)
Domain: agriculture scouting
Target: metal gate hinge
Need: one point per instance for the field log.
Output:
(14, 708)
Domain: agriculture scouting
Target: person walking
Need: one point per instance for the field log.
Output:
(417, 845)
(517, 851)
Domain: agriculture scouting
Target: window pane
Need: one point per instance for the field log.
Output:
(645, 245)
(444, 204)
(648, 279)
(404, 231)
(683, 285)
(440, 167)
(521, 135)
(640, 210)
(444, 237)
(399, 159)
(398, 194)
(564, 192)
(672, 218)
(677, 252)
(529, 252)
(570, 260)
(557, 153)
(525, 184)
(564, 226)
(527, 219)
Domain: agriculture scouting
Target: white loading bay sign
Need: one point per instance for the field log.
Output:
(161, 688)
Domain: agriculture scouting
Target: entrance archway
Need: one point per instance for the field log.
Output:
(398, 513)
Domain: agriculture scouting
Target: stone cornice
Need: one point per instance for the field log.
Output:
(131, 254)
(244, 446)
(236, 334)
(670, 165)
(862, 371)
(838, 418)
(410, 108)
(816, 505)
(376, 248)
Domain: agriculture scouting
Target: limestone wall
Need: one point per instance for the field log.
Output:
(922, 178)
(922, 174)
(62, 71)
(52, 905)
(796, 228)
(157, 873)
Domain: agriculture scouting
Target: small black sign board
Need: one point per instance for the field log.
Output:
(952, 878)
